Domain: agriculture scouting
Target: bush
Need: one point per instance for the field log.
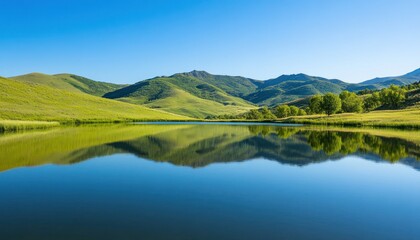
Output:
(350, 102)
(392, 96)
(302, 112)
(267, 114)
(254, 114)
(294, 111)
(282, 111)
(372, 102)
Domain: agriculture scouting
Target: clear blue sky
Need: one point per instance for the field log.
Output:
(127, 41)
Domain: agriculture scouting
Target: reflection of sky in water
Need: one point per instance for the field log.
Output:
(123, 195)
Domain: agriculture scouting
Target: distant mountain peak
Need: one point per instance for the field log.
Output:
(415, 73)
(196, 74)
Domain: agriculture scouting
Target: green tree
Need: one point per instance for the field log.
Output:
(331, 103)
(254, 114)
(372, 102)
(294, 111)
(282, 111)
(308, 110)
(350, 102)
(267, 114)
(392, 96)
(301, 112)
(315, 104)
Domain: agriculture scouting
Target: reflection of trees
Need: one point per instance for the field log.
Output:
(348, 142)
(282, 132)
(286, 132)
(259, 129)
(329, 142)
(388, 148)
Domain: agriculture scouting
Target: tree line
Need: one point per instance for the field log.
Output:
(331, 103)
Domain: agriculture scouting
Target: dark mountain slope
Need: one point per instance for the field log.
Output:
(291, 87)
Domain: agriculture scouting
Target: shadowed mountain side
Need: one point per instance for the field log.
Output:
(200, 145)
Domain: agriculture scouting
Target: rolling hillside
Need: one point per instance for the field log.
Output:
(69, 82)
(23, 101)
(291, 87)
(200, 94)
(184, 94)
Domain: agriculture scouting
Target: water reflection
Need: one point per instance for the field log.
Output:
(201, 145)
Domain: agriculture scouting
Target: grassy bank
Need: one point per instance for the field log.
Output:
(14, 125)
(407, 118)
(34, 102)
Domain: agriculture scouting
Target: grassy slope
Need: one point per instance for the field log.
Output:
(21, 101)
(182, 94)
(69, 82)
(406, 118)
(184, 103)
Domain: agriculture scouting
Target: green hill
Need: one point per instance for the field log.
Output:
(185, 94)
(200, 94)
(69, 82)
(405, 79)
(291, 87)
(23, 101)
(233, 85)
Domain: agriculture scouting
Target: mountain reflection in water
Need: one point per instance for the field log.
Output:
(200, 145)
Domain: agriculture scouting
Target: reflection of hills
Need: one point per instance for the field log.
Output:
(408, 161)
(295, 150)
(225, 148)
(201, 145)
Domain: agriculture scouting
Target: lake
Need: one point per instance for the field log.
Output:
(209, 181)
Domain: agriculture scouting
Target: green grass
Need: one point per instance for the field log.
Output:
(406, 118)
(182, 95)
(33, 102)
(69, 82)
(183, 103)
(14, 125)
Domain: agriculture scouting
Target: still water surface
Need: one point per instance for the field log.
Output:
(199, 181)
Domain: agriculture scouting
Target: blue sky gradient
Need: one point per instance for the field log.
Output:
(127, 41)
